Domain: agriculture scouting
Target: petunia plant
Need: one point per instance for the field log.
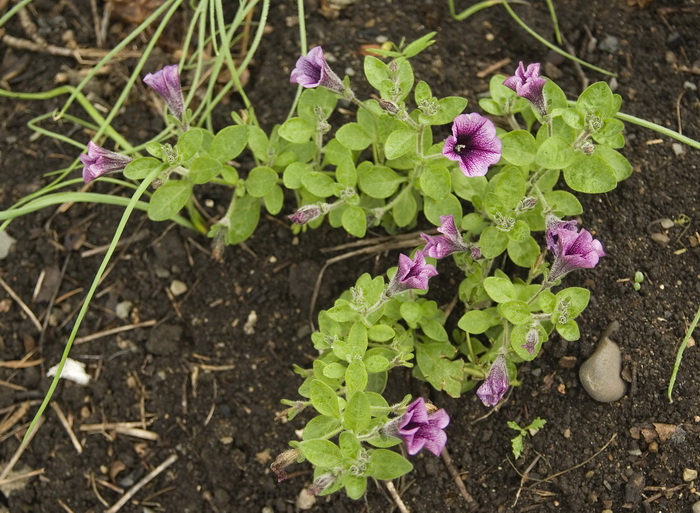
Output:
(491, 183)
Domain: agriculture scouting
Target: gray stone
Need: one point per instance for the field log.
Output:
(6, 243)
(609, 44)
(600, 374)
(696, 507)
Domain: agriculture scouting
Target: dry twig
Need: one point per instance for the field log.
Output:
(458, 480)
(397, 498)
(66, 425)
(21, 304)
(147, 479)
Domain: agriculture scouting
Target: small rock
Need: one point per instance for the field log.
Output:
(666, 223)
(305, 500)
(660, 238)
(696, 507)
(178, 287)
(674, 40)
(634, 488)
(161, 272)
(124, 309)
(600, 373)
(567, 362)
(690, 86)
(678, 149)
(6, 243)
(249, 326)
(689, 475)
(609, 44)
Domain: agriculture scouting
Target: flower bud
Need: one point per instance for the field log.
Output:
(283, 461)
(305, 214)
(389, 106)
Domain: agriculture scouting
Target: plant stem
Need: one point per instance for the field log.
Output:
(679, 355)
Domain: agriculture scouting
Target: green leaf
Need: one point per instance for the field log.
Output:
(381, 333)
(140, 168)
(597, 100)
(258, 142)
(189, 143)
(260, 181)
(501, 290)
(405, 209)
(422, 92)
(313, 99)
(524, 253)
(320, 427)
(324, 399)
(354, 221)
(563, 203)
(320, 184)
(357, 414)
(519, 147)
(294, 174)
(376, 363)
(204, 169)
(520, 232)
(518, 338)
(296, 130)
(355, 486)
(384, 464)
(591, 174)
(334, 370)
(322, 453)
(492, 242)
(228, 143)
(357, 340)
(576, 298)
(569, 331)
(491, 107)
(517, 445)
(478, 321)
(433, 330)
(450, 108)
(435, 182)
(169, 199)
(350, 446)
(617, 162)
(353, 136)
(411, 313)
(376, 72)
(419, 45)
(434, 362)
(356, 376)
(274, 200)
(379, 181)
(399, 143)
(510, 187)
(346, 174)
(555, 153)
(243, 219)
(517, 312)
(433, 209)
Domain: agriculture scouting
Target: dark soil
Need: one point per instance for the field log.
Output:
(209, 390)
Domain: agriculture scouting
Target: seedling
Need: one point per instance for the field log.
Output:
(532, 429)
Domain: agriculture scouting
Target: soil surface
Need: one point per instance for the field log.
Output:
(202, 379)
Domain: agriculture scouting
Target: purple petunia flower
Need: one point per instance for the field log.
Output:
(531, 340)
(166, 83)
(305, 214)
(420, 429)
(411, 274)
(312, 70)
(553, 224)
(529, 85)
(573, 250)
(98, 161)
(450, 242)
(473, 143)
(494, 388)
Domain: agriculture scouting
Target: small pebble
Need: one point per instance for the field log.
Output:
(660, 238)
(690, 86)
(305, 500)
(689, 475)
(124, 309)
(609, 44)
(696, 507)
(600, 373)
(178, 287)
(678, 149)
(666, 223)
(6, 243)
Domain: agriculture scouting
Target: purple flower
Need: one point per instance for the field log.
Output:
(494, 388)
(473, 144)
(312, 71)
(531, 340)
(419, 429)
(411, 274)
(166, 83)
(305, 214)
(529, 85)
(279, 466)
(553, 225)
(573, 250)
(444, 245)
(98, 161)
(321, 483)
